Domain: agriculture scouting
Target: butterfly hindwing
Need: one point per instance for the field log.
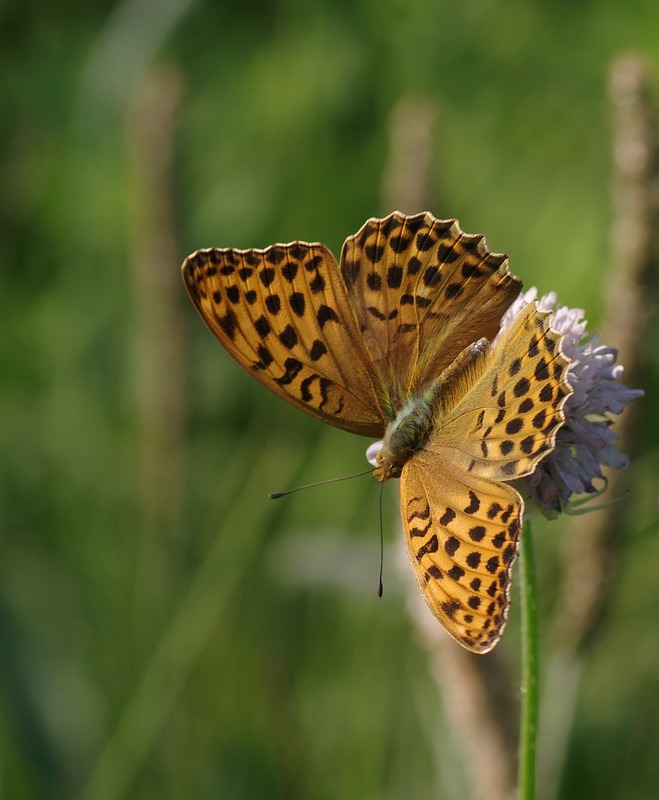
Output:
(422, 291)
(284, 315)
(461, 533)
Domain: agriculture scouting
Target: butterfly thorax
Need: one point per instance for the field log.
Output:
(404, 436)
(412, 426)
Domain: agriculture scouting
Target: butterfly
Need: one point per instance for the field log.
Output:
(394, 342)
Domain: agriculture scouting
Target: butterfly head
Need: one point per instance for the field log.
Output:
(387, 465)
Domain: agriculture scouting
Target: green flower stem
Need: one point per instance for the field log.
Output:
(529, 705)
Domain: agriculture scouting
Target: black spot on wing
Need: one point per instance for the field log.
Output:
(318, 350)
(297, 303)
(326, 314)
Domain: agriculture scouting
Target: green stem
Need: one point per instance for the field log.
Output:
(529, 705)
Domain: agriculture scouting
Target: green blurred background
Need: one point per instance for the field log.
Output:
(165, 630)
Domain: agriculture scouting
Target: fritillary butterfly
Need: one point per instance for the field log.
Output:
(394, 342)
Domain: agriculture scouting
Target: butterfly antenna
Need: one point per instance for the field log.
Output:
(277, 495)
(380, 588)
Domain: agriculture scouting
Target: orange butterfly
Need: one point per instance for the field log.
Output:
(394, 342)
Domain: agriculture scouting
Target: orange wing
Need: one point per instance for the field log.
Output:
(461, 536)
(422, 291)
(284, 315)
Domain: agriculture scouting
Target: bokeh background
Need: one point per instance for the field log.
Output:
(165, 630)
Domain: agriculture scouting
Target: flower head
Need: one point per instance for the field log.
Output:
(585, 442)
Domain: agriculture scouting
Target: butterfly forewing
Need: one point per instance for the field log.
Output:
(422, 291)
(500, 409)
(284, 315)
(461, 533)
